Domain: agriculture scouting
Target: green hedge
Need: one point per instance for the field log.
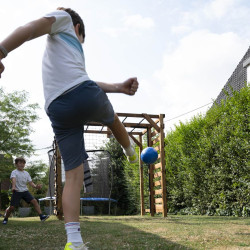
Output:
(5, 199)
(207, 161)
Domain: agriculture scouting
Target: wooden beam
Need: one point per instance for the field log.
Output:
(133, 125)
(158, 165)
(136, 115)
(163, 167)
(141, 178)
(136, 125)
(151, 180)
(126, 124)
(155, 141)
(158, 209)
(134, 133)
(158, 191)
(152, 123)
(151, 191)
(157, 174)
(95, 132)
(158, 200)
(107, 132)
(154, 133)
(157, 183)
(136, 141)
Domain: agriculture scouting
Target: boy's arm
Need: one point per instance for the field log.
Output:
(32, 184)
(13, 189)
(24, 33)
(128, 87)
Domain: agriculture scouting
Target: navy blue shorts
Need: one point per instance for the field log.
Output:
(70, 112)
(17, 196)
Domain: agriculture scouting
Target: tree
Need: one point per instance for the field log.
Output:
(15, 119)
(120, 188)
(39, 173)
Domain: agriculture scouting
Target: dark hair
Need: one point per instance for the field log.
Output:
(76, 19)
(20, 159)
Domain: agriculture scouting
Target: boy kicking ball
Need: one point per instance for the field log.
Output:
(20, 178)
(71, 101)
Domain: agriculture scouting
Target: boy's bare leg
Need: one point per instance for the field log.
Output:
(9, 210)
(71, 194)
(36, 206)
(120, 132)
(122, 137)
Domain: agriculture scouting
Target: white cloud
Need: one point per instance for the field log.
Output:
(180, 29)
(197, 69)
(219, 8)
(113, 32)
(132, 24)
(137, 21)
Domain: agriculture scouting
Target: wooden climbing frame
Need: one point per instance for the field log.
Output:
(137, 126)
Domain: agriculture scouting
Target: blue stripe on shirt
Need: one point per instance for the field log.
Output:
(71, 41)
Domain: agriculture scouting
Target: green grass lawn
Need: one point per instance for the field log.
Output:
(131, 232)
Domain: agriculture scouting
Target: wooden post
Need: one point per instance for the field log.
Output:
(163, 167)
(151, 178)
(58, 175)
(141, 178)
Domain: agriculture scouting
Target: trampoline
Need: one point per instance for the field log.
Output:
(94, 199)
(51, 206)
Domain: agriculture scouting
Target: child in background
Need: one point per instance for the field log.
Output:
(20, 178)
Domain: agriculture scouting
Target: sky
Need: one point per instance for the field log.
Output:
(182, 52)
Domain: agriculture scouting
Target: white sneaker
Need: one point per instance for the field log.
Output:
(133, 158)
(70, 246)
(130, 152)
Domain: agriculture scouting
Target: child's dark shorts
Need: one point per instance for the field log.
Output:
(17, 196)
(70, 112)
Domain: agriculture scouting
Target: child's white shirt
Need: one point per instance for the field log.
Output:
(22, 178)
(63, 61)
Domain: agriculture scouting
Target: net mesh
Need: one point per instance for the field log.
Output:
(94, 141)
(101, 174)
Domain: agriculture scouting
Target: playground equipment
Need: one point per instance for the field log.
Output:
(137, 126)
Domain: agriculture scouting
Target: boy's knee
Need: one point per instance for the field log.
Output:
(116, 117)
(116, 120)
(11, 208)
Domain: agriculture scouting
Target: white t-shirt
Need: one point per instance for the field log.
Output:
(22, 178)
(63, 61)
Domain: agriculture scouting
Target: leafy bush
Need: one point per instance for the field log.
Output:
(207, 160)
(5, 199)
(120, 188)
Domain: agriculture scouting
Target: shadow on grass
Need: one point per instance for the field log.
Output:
(114, 234)
(100, 233)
